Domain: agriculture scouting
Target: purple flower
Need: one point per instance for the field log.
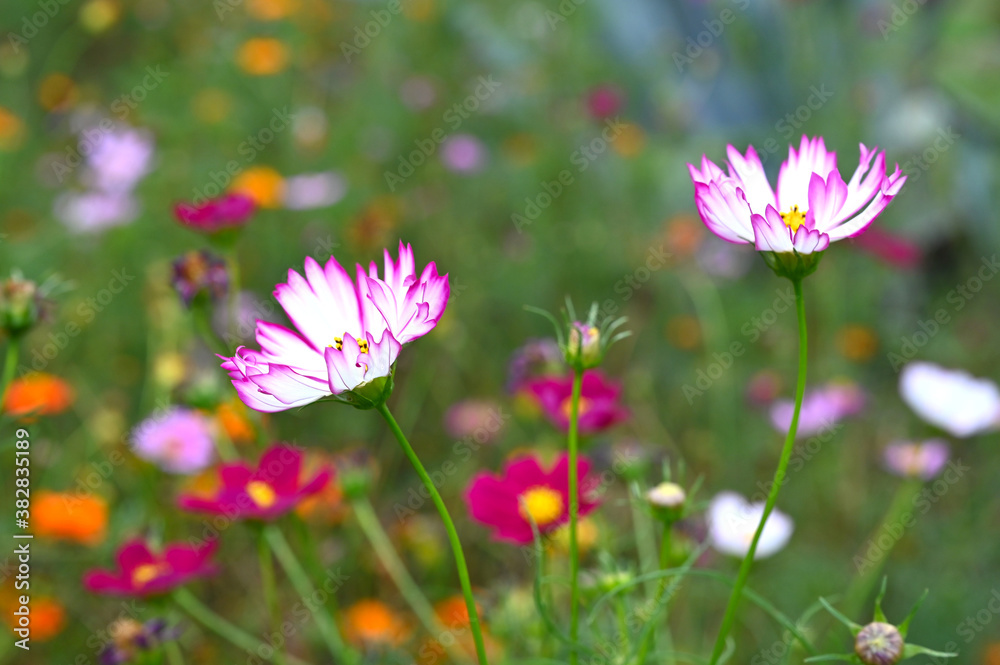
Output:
(923, 459)
(314, 190)
(84, 212)
(463, 153)
(476, 418)
(821, 408)
(178, 441)
(118, 159)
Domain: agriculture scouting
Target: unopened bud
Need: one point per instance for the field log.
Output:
(19, 305)
(879, 643)
(667, 500)
(584, 348)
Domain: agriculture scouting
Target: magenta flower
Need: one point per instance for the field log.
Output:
(811, 207)
(267, 492)
(600, 405)
(922, 460)
(226, 212)
(525, 489)
(142, 572)
(822, 408)
(348, 334)
(604, 101)
(178, 440)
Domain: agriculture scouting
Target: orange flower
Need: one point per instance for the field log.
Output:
(263, 184)
(454, 616)
(271, 10)
(370, 623)
(453, 613)
(262, 56)
(11, 130)
(37, 394)
(857, 343)
(67, 516)
(629, 141)
(232, 417)
(48, 617)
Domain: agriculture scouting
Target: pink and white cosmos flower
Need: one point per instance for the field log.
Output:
(348, 333)
(812, 207)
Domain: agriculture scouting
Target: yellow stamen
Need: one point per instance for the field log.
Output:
(794, 218)
(567, 406)
(261, 493)
(542, 504)
(148, 572)
(338, 343)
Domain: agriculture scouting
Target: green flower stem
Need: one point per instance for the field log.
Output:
(233, 264)
(304, 587)
(173, 652)
(779, 480)
(665, 636)
(270, 590)
(407, 586)
(221, 627)
(574, 514)
(9, 365)
(449, 525)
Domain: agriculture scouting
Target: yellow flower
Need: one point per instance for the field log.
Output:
(57, 92)
(11, 130)
(630, 140)
(262, 56)
(99, 15)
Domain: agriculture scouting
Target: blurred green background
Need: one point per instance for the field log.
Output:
(667, 80)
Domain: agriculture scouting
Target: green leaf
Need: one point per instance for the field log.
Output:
(879, 614)
(905, 626)
(851, 626)
(911, 650)
(843, 657)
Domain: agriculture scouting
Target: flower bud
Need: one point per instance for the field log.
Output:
(20, 305)
(879, 643)
(667, 501)
(584, 348)
(200, 274)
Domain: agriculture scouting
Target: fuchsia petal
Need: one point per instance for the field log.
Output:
(724, 209)
(134, 553)
(826, 200)
(770, 232)
(750, 172)
(280, 467)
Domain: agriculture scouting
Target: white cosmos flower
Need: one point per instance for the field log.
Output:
(951, 399)
(732, 522)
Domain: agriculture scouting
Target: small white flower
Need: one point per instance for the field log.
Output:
(953, 400)
(732, 522)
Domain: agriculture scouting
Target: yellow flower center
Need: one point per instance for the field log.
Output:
(338, 342)
(794, 218)
(567, 406)
(148, 572)
(261, 493)
(544, 505)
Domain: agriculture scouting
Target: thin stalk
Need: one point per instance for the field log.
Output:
(407, 586)
(304, 587)
(173, 651)
(9, 365)
(574, 512)
(779, 479)
(665, 636)
(449, 525)
(221, 627)
(270, 590)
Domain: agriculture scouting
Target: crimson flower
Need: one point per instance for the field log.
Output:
(271, 490)
(600, 404)
(525, 490)
(141, 572)
(226, 212)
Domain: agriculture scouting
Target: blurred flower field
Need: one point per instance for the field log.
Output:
(525, 476)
